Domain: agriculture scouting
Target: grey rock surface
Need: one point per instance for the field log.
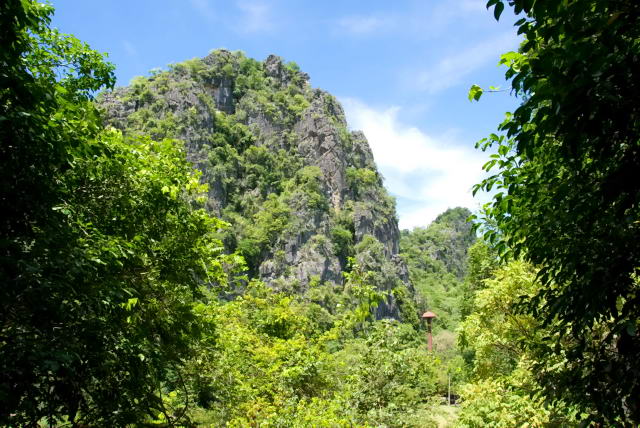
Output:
(191, 96)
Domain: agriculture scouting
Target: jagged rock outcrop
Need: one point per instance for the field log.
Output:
(302, 192)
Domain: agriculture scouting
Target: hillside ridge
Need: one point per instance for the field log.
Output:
(301, 191)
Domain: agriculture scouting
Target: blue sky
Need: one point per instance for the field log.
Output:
(401, 68)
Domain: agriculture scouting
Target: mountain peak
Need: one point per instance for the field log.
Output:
(301, 191)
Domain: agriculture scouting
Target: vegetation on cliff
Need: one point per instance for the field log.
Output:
(301, 192)
(437, 260)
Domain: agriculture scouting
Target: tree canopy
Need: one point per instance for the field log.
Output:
(568, 191)
(105, 252)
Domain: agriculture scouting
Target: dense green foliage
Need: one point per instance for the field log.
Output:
(283, 360)
(501, 388)
(104, 252)
(568, 195)
(504, 390)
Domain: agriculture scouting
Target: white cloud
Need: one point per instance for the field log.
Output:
(451, 12)
(451, 71)
(430, 172)
(250, 16)
(362, 25)
(423, 19)
(204, 8)
(256, 17)
(472, 5)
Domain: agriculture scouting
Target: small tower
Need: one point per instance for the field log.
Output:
(429, 316)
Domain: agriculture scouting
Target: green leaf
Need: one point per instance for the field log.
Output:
(475, 92)
(497, 11)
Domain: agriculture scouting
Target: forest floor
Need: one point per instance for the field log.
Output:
(446, 416)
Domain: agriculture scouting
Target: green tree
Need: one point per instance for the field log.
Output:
(503, 391)
(105, 253)
(482, 261)
(568, 190)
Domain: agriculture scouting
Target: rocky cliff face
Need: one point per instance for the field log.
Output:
(302, 193)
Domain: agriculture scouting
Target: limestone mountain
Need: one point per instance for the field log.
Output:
(301, 192)
(441, 246)
(437, 257)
